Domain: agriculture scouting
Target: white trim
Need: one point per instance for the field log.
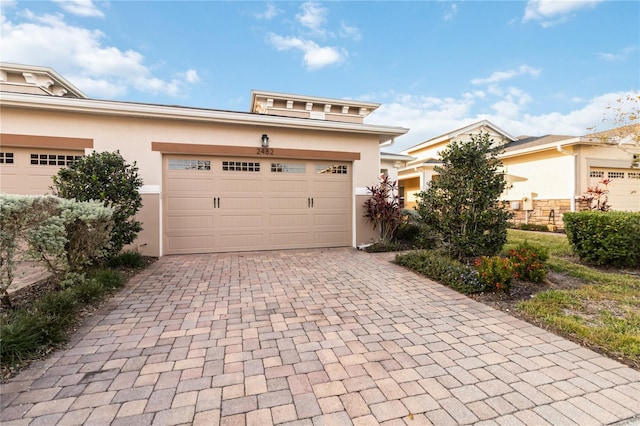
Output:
(129, 109)
(150, 189)
(359, 190)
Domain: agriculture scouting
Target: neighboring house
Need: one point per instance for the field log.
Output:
(390, 163)
(546, 176)
(291, 173)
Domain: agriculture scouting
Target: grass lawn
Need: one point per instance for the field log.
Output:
(603, 313)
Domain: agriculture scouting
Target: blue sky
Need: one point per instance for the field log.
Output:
(531, 67)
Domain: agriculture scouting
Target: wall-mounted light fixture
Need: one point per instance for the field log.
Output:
(265, 141)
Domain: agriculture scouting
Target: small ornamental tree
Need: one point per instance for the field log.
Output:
(596, 198)
(383, 208)
(462, 206)
(108, 178)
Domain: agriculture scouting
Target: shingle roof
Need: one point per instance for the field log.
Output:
(531, 141)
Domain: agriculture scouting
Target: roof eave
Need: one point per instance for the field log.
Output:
(92, 106)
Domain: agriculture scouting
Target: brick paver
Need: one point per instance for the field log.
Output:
(312, 337)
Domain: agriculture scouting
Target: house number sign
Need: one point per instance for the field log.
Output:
(265, 151)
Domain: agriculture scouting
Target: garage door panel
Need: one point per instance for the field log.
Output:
(284, 206)
(190, 184)
(239, 221)
(242, 241)
(190, 222)
(185, 203)
(288, 220)
(240, 204)
(624, 187)
(336, 238)
(288, 203)
(335, 220)
(178, 244)
(288, 239)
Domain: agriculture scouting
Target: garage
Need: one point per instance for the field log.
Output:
(223, 204)
(30, 170)
(624, 188)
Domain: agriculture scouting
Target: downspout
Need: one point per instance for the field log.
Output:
(573, 173)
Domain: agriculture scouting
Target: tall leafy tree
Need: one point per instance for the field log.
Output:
(108, 178)
(462, 205)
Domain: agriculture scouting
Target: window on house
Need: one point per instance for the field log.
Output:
(176, 164)
(240, 166)
(596, 174)
(335, 169)
(53, 159)
(288, 168)
(6, 158)
(615, 175)
(634, 175)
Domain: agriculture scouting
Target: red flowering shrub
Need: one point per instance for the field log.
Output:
(527, 261)
(495, 272)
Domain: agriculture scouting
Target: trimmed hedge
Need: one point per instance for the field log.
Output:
(443, 269)
(605, 238)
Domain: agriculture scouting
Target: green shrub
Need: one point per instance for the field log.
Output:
(107, 178)
(527, 259)
(530, 227)
(462, 206)
(383, 247)
(89, 291)
(443, 269)
(109, 279)
(21, 336)
(127, 259)
(496, 273)
(605, 238)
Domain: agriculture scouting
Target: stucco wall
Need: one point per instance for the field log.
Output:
(548, 175)
(133, 138)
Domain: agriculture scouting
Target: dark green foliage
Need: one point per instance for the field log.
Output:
(27, 333)
(443, 269)
(105, 177)
(89, 291)
(109, 278)
(127, 259)
(529, 227)
(461, 207)
(605, 238)
(527, 260)
(496, 273)
(383, 247)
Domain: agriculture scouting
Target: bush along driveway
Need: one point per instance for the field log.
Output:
(333, 337)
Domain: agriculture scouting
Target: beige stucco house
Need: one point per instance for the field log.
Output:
(546, 176)
(290, 173)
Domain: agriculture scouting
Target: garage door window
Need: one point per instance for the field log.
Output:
(335, 169)
(596, 174)
(189, 165)
(615, 175)
(240, 166)
(634, 175)
(288, 168)
(53, 159)
(6, 157)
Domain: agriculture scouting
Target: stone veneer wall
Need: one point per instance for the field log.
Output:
(540, 213)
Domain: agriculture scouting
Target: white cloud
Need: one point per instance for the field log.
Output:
(315, 56)
(507, 75)
(428, 117)
(80, 8)
(270, 12)
(617, 56)
(552, 12)
(81, 55)
(313, 17)
(350, 32)
(451, 12)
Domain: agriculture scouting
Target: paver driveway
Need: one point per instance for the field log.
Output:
(322, 337)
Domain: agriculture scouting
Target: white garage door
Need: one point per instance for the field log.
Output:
(30, 170)
(624, 188)
(214, 204)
